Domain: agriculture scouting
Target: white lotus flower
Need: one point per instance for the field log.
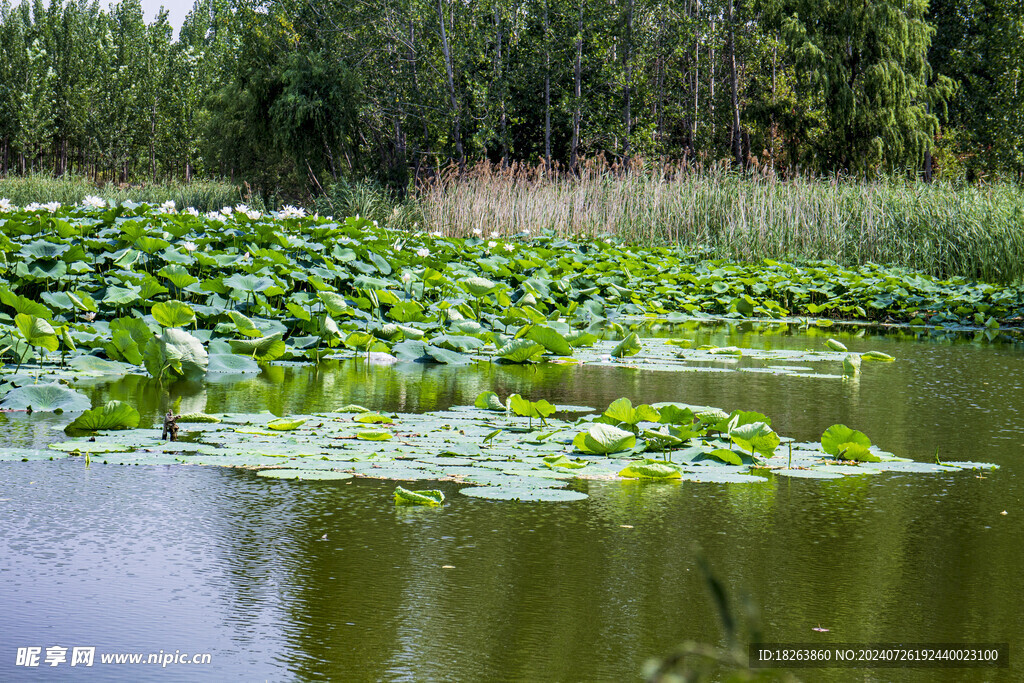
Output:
(34, 206)
(189, 246)
(423, 253)
(214, 216)
(492, 244)
(495, 233)
(253, 214)
(226, 210)
(52, 206)
(406, 278)
(478, 232)
(241, 208)
(509, 247)
(191, 211)
(437, 233)
(291, 212)
(168, 207)
(93, 202)
(6, 205)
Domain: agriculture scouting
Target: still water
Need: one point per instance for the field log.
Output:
(281, 580)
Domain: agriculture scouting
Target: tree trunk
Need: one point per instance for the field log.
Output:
(627, 87)
(547, 90)
(499, 75)
(450, 80)
(737, 145)
(577, 109)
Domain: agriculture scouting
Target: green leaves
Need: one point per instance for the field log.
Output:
(603, 438)
(650, 469)
(630, 346)
(112, 415)
(175, 352)
(173, 314)
(550, 339)
(37, 332)
(520, 351)
(621, 411)
(488, 400)
(847, 444)
(756, 437)
(263, 349)
(285, 424)
(49, 398)
(526, 408)
(429, 498)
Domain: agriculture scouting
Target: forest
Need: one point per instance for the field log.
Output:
(291, 96)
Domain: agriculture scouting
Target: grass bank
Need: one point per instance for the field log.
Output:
(939, 229)
(204, 195)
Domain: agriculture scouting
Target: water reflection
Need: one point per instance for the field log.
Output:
(222, 561)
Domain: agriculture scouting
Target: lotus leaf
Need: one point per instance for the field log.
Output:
(430, 498)
(49, 398)
(113, 415)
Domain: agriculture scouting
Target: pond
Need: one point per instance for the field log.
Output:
(331, 581)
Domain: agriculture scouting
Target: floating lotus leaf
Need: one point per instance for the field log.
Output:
(373, 418)
(374, 435)
(835, 345)
(304, 475)
(562, 460)
(199, 418)
(650, 470)
(85, 446)
(815, 473)
(522, 494)
(231, 363)
(91, 365)
(877, 356)
(286, 424)
(430, 498)
(47, 398)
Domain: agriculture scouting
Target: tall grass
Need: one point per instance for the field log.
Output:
(205, 195)
(937, 228)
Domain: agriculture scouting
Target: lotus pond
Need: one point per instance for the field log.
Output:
(413, 457)
(332, 580)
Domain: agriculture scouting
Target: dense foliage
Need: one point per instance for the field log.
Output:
(291, 94)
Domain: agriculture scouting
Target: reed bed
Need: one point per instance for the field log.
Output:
(204, 195)
(941, 229)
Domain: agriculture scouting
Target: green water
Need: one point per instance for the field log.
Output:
(142, 559)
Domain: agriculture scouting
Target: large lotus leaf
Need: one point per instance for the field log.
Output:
(429, 498)
(836, 345)
(622, 410)
(245, 326)
(630, 346)
(603, 438)
(41, 249)
(231, 363)
(91, 365)
(113, 415)
(523, 494)
(527, 408)
(23, 305)
(49, 398)
(37, 332)
(334, 303)
(650, 470)
(675, 415)
(178, 275)
(563, 460)
(178, 350)
(838, 435)
(756, 437)
(304, 474)
(248, 283)
(726, 456)
(122, 296)
(263, 349)
(478, 286)
(520, 351)
(488, 400)
(550, 339)
(173, 314)
(446, 356)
